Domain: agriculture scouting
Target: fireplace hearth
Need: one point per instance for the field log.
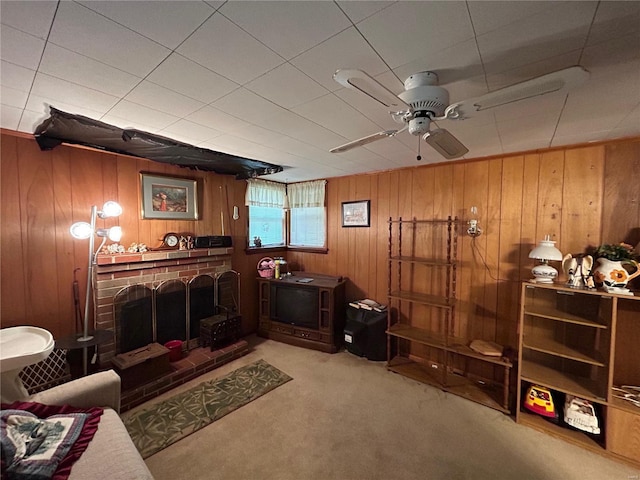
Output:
(158, 296)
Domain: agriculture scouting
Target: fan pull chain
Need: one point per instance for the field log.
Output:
(419, 157)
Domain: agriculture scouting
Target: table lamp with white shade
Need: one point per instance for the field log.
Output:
(545, 252)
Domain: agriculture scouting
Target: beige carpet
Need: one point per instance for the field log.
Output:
(343, 417)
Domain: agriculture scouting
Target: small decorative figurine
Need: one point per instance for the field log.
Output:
(257, 242)
(578, 271)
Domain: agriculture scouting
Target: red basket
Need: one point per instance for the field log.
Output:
(265, 272)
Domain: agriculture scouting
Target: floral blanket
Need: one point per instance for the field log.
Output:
(42, 442)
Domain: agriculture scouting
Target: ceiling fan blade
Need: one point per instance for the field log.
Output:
(363, 82)
(445, 143)
(559, 81)
(365, 140)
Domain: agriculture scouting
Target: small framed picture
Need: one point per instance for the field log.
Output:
(169, 198)
(356, 214)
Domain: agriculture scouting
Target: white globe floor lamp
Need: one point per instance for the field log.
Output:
(82, 231)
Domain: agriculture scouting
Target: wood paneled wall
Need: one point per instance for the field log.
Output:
(580, 196)
(43, 193)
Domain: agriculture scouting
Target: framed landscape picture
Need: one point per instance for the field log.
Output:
(169, 198)
(356, 214)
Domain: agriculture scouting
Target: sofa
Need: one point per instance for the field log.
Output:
(111, 453)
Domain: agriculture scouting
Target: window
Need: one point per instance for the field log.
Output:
(266, 215)
(268, 224)
(305, 223)
(307, 227)
(308, 215)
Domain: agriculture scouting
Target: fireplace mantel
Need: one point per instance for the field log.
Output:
(114, 272)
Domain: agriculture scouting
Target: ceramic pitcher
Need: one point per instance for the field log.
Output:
(611, 273)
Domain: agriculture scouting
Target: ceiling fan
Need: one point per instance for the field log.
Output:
(423, 101)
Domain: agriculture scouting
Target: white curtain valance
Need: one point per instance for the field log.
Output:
(306, 194)
(262, 193)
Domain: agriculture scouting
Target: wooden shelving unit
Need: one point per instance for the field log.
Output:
(422, 300)
(583, 343)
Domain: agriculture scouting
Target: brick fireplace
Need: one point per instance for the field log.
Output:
(148, 270)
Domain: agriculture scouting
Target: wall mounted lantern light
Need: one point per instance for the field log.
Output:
(545, 252)
(84, 230)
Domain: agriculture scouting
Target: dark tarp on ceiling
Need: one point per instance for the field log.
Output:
(69, 128)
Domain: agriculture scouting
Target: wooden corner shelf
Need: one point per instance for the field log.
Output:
(434, 356)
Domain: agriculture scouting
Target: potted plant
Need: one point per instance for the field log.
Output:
(609, 271)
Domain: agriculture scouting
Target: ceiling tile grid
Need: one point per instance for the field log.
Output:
(255, 78)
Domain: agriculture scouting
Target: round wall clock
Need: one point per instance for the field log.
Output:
(171, 240)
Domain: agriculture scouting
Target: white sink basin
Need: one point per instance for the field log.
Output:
(19, 347)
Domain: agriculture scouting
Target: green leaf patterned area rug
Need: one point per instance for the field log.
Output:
(164, 423)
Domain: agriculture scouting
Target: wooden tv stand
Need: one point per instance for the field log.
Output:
(327, 336)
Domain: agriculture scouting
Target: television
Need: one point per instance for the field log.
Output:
(294, 305)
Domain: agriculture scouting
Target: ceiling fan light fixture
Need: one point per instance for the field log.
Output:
(445, 144)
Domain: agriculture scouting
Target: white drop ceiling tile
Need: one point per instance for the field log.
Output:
(587, 119)
(409, 30)
(142, 115)
(228, 50)
(551, 103)
(476, 138)
(73, 67)
(154, 96)
(10, 117)
(346, 50)
(167, 22)
(523, 144)
(614, 19)
(456, 63)
(57, 89)
(258, 134)
(231, 143)
(244, 104)
(534, 128)
(582, 137)
(32, 17)
(337, 116)
(489, 16)
(629, 126)
(287, 31)
(40, 105)
(15, 76)
(127, 123)
(83, 31)
(12, 97)
(358, 11)
(320, 137)
(293, 125)
(297, 147)
(368, 107)
(217, 119)
(193, 132)
(286, 86)
(613, 58)
(560, 28)
(20, 48)
(392, 150)
(188, 78)
(466, 89)
(532, 70)
(30, 121)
